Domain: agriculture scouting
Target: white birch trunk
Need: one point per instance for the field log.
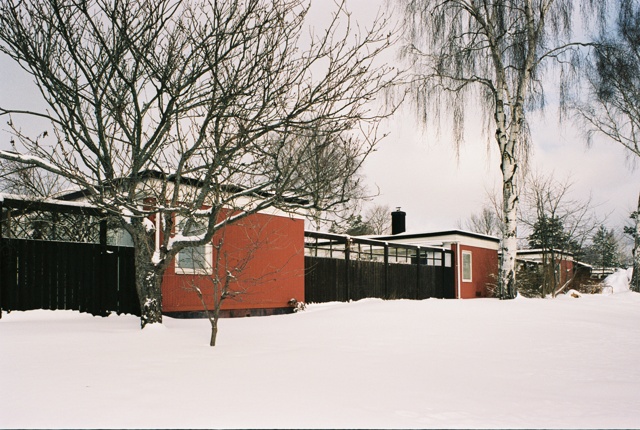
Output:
(507, 142)
(509, 244)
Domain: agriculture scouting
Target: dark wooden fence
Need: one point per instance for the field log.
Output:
(86, 277)
(54, 255)
(341, 268)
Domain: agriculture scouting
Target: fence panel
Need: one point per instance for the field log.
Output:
(127, 295)
(341, 268)
(322, 274)
(402, 281)
(325, 280)
(87, 277)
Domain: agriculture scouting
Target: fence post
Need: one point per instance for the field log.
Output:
(386, 270)
(103, 232)
(347, 253)
(442, 271)
(417, 273)
(1, 219)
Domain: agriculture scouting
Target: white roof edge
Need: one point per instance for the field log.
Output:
(437, 232)
(50, 200)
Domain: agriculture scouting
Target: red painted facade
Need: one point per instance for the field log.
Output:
(483, 250)
(265, 253)
(484, 271)
(566, 271)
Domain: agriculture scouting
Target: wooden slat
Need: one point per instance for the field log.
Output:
(62, 275)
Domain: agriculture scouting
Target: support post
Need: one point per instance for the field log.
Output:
(442, 272)
(417, 273)
(347, 254)
(386, 271)
(103, 232)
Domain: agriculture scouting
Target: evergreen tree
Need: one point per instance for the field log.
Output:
(548, 233)
(358, 227)
(550, 236)
(605, 248)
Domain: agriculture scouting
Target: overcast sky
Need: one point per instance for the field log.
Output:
(422, 175)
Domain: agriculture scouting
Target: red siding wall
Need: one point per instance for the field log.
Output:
(271, 249)
(566, 271)
(484, 270)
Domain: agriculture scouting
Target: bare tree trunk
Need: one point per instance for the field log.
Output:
(214, 330)
(148, 283)
(151, 298)
(635, 279)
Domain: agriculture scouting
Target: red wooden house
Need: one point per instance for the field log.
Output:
(559, 264)
(264, 255)
(475, 257)
(261, 256)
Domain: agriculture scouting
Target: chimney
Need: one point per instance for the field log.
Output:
(398, 221)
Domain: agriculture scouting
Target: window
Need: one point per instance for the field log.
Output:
(193, 259)
(466, 266)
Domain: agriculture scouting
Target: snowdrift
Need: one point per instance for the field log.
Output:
(526, 363)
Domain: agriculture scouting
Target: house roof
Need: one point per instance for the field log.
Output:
(30, 203)
(540, 251)
(437, 234)
(187, 180)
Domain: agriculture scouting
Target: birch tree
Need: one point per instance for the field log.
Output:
(496, 52)
(177, 109)
(612, 109)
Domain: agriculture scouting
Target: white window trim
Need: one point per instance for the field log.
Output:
(208, 270)
(470, 278)
(208, 256)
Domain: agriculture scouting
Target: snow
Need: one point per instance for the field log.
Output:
(618, 282)
(178, 237)
(149, 226)
(524, 363)
(126, 214)
(8, 196)
(155, 258)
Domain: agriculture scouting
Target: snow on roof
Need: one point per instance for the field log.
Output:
(53, 201)
(415, 235)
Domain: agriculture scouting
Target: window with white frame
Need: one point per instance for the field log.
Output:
(193, 259)
(466, 266)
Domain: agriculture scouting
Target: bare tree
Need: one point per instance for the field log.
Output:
(326, 156)
(487, 221)
(378, 217)
(558, 223)
(18, 178)
(228, 278)
(174, 108)
(495, 51)
(612, 109)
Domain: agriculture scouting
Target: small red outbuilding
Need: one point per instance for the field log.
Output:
(475, 256)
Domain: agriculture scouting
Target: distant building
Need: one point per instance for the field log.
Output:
(475, 257)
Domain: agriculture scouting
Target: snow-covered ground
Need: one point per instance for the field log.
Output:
(564, 362)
